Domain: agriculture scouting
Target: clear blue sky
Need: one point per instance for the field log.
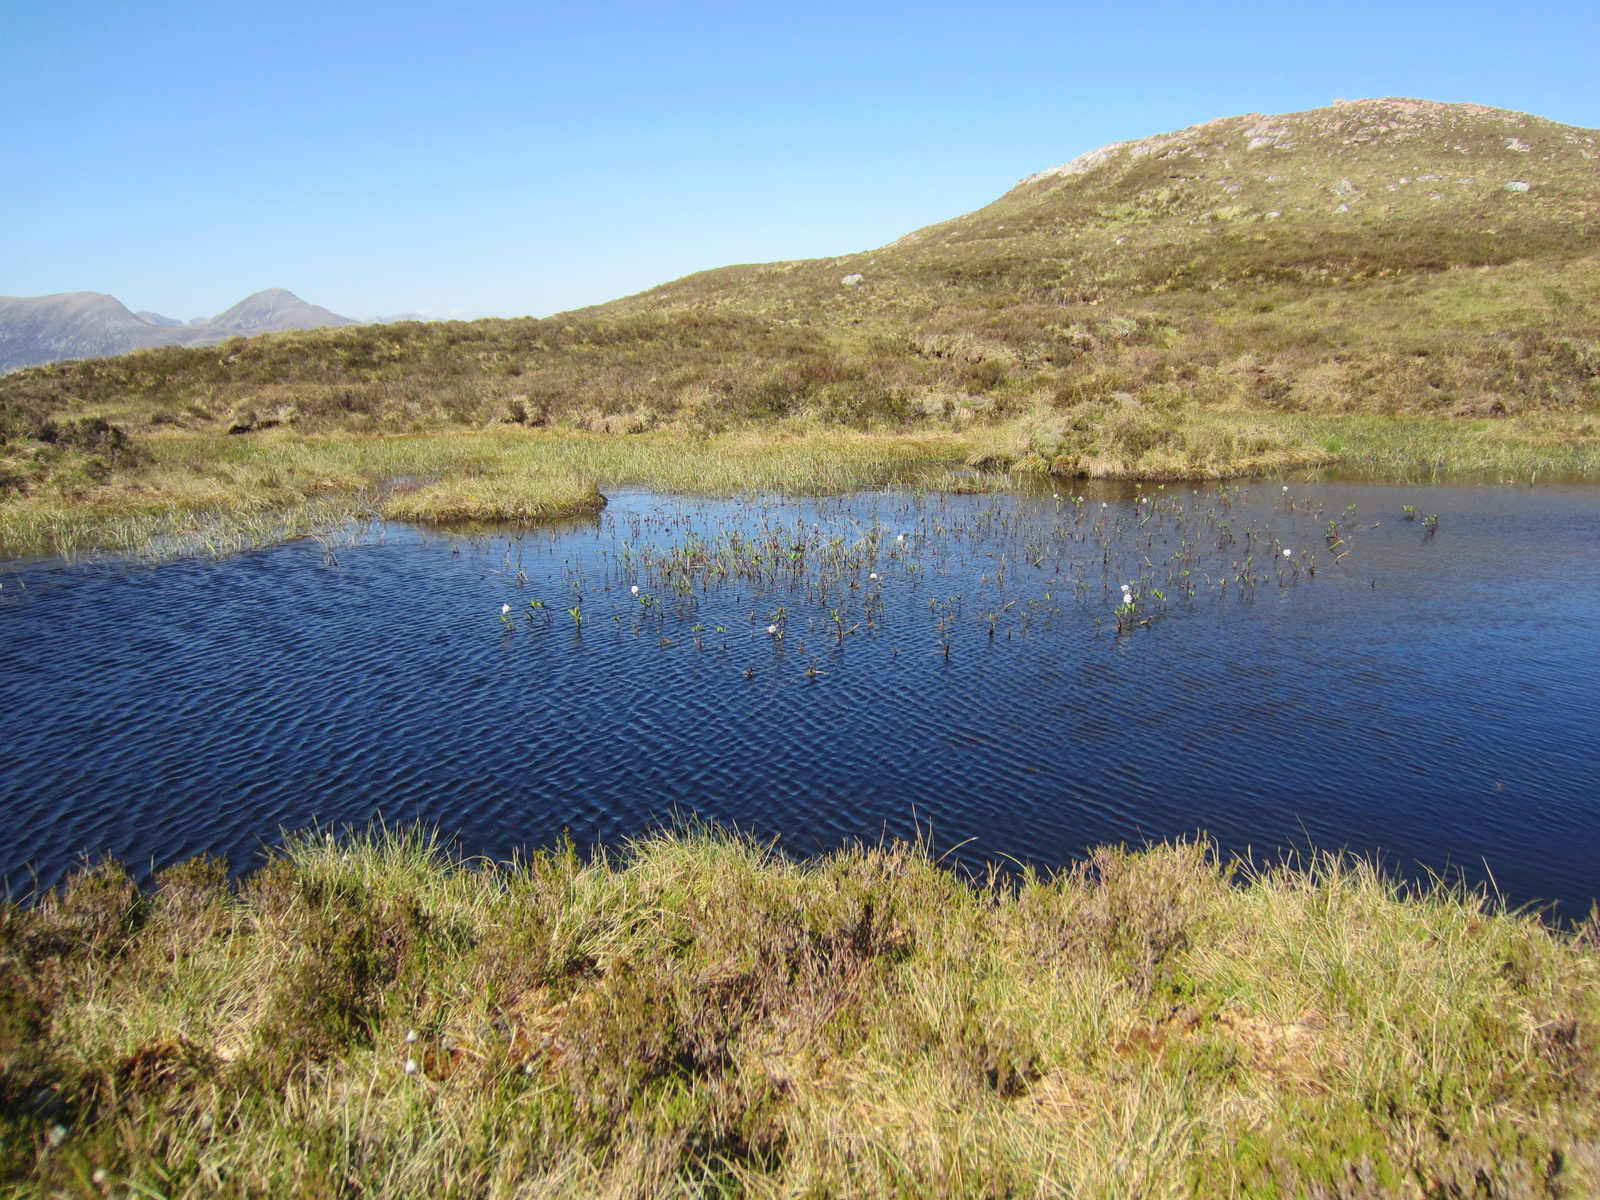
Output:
(482, 157)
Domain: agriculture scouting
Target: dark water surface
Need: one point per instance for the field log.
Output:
(1433, 698)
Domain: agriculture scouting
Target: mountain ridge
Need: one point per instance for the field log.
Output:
(35, 330)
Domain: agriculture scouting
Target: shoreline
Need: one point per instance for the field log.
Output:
(694, 1012)
(216, 494)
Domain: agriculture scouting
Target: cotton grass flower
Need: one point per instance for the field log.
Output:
(872, 575)
(505, 610)
(1288, 553)
(772, 629)
(635, 589)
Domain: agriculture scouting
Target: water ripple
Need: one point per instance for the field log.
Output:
(1413, 701)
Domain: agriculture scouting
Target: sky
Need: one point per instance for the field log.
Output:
(489, 158)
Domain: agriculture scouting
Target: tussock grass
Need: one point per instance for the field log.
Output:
(1550, 446)
(506, 497)
(697, 1015)
(1136, 441)
(32, 529)
(212, 493)
(794, 459)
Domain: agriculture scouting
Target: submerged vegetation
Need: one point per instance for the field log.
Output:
(1393, 286)
(785, 587)
(697, 1015)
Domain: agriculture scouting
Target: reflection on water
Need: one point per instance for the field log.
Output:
(1281, 669)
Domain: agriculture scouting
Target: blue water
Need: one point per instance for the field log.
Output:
(1431, 698)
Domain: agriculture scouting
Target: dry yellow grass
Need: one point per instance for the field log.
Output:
(700, 1017)
(236, 488)
(507, 496)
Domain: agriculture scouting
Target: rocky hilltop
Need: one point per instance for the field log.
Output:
(44, 329)
(1336, 196)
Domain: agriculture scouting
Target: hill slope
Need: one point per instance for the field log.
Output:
(44, 329)
(1170, 306)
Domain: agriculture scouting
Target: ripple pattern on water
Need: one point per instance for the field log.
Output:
(1421, 697)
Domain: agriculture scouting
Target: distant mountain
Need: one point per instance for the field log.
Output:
(396, 318)
(273, 310)
(40, 329)
(44, 329)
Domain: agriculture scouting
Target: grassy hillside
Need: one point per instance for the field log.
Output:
(698, 1017)
(1249, 294)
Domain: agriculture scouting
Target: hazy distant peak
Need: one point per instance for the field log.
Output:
(275, 309)
(42, 329)
(423, 315)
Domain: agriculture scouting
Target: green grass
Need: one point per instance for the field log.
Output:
(1551, 449)
(217, 494)
(69, 531)
(522, 496)
(212, 494)
(698, 1016)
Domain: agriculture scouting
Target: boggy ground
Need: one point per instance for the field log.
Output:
(698, 1016)
(206, 492)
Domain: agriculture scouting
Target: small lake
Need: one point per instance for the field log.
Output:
(847, 668)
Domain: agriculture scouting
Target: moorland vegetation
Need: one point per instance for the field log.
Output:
(1394, 286)
(698, 1015)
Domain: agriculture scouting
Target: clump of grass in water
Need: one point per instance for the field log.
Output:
(373, 1014)
(500, 497)
(174, 534)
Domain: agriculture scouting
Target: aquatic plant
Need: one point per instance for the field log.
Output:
(865, 566)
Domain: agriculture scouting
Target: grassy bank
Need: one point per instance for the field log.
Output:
(212, 493)
(698, 1017)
